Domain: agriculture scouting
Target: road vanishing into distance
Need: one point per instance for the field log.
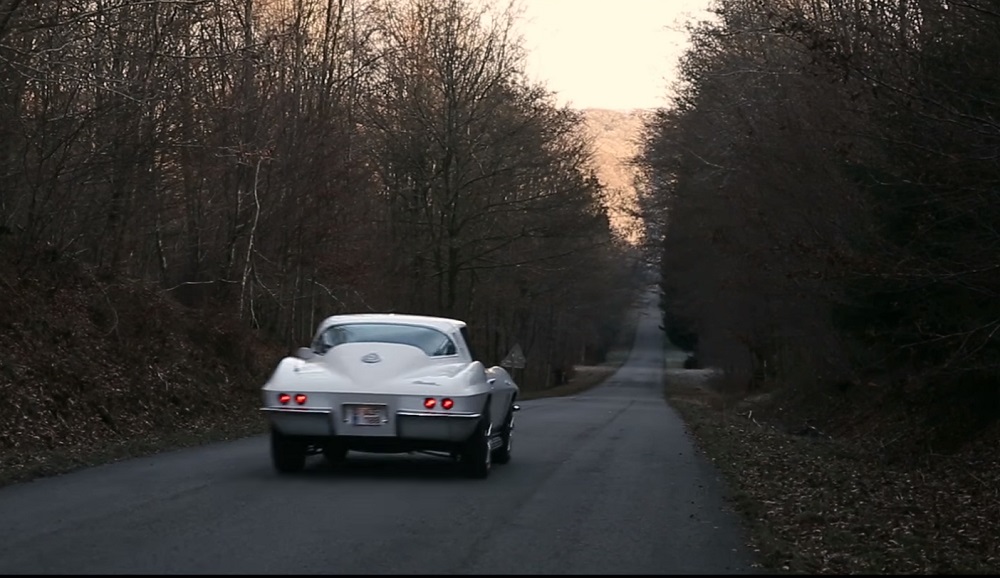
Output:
(605, 482)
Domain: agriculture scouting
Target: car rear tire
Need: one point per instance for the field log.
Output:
(288, 454)
(502, 454)
(476, 457)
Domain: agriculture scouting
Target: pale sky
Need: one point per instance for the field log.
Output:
(616, 54)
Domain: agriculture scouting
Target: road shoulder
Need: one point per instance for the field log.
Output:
(818, 505)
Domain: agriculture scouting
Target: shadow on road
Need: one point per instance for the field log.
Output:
(388, 467)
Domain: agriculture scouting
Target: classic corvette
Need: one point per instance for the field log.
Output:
(390, 383)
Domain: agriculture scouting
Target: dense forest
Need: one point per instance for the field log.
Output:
(286, 160)
(826, 184)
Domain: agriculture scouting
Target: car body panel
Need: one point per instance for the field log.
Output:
(392, 378)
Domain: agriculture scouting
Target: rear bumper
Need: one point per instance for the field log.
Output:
(300, 422)
(452, 427)
(408, 425)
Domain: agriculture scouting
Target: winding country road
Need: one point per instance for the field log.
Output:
(605, 482)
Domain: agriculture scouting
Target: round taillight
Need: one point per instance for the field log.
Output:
(447, 403)
(430, 402)
(300, 398)
(284, 398)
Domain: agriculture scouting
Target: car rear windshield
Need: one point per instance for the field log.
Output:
(431, 341)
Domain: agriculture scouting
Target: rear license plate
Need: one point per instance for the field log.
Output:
(368, 415)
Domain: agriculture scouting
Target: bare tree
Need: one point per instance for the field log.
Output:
(827, 177)
(287, 159)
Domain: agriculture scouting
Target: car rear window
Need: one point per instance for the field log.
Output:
(431, 341)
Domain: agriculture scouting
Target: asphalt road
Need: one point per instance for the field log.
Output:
(606, 482)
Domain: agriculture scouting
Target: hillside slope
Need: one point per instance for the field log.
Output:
(615, 135)
(89, 367)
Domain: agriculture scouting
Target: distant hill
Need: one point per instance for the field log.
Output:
(615, 135)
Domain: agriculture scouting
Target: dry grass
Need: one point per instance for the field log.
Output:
(21, 467)
(586, 377)
(823, 506)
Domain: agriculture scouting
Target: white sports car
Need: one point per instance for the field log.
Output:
(390, 383)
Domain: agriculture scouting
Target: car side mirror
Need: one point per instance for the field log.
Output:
(305, 353)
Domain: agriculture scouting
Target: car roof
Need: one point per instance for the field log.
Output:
(445, 324)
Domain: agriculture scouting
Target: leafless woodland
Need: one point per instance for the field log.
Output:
(291, 159)
(826, 193)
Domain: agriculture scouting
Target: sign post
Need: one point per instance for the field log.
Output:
(515, 359)
(515, 362)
